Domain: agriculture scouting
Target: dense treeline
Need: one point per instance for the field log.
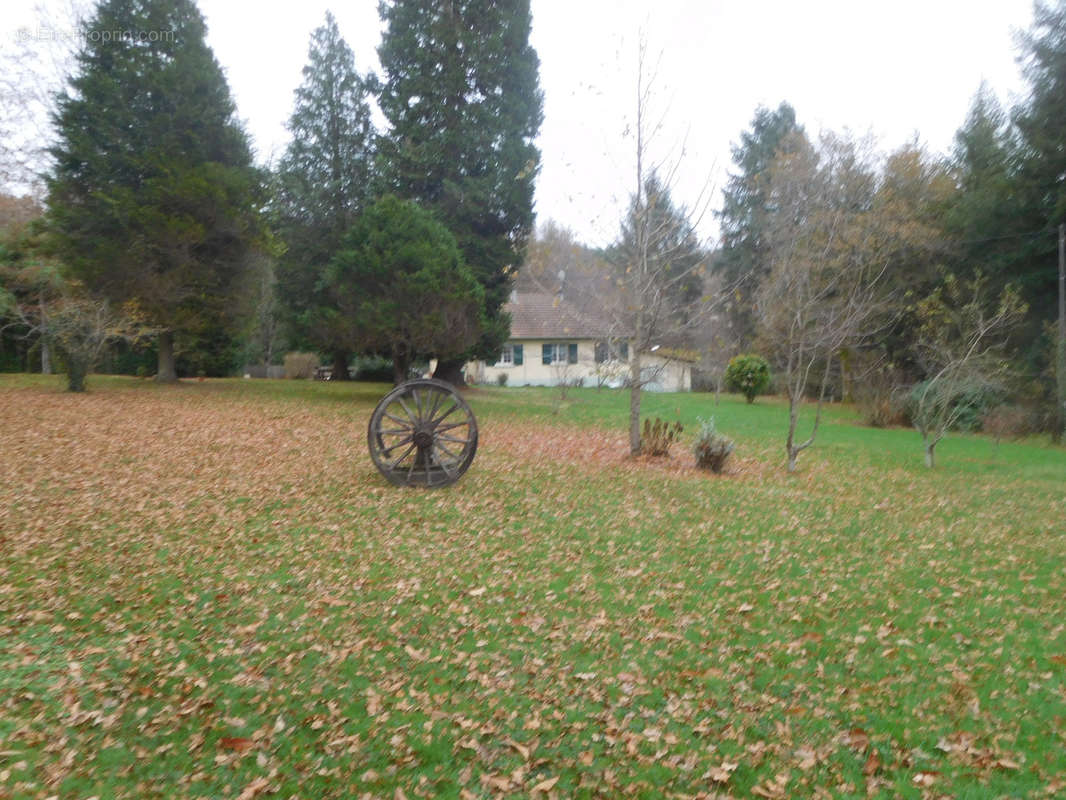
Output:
(985, 216)
(155, 210)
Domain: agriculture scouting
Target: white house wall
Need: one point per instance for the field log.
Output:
(666, 375)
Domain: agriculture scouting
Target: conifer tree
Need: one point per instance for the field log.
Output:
(324, 183)
(743, 258)
(399, 286)
(154, 198)
(461, 95)
(1042, 165)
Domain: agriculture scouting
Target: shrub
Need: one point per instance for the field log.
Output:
(501, 379)
(1008, 422)
(749, 375)
(966, 406)
(375, 369)
(658, 436)
(300, 365)
(879, 398)
(712, 449)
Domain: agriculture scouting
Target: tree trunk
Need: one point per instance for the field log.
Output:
(77, 368)
(930, 454)
(718, 388)
(450, 370)
(340, 367)
(46, 351)
(400, 365)
(166, 372)
(790, 443)
(634, 404)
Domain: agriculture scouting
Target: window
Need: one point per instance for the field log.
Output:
(510, 356)
(558, 353)
(612, 350)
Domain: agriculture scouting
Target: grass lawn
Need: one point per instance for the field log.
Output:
(208, 591)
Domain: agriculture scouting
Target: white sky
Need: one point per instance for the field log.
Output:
(894, 68)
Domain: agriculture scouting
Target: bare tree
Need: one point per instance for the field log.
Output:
(79, 326)
(960, 345)
(659, 258)
(824, 288)
(35, 63)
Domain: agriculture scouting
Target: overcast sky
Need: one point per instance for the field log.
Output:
(896, 69)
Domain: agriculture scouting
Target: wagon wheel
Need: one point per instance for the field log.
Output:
(422, 433)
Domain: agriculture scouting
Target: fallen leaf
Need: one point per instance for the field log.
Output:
(546, 785)
(873, 763)
(722, 773)
(925, 778)
(239, 743)
(521, 748)
(254, 788)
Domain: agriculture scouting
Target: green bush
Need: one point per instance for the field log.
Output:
(967, 406)
(749, 375)
(712, 449)
(373, 369)
(501, 379)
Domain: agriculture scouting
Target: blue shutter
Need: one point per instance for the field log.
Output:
(572, 354)
(546, 354)
(517, 350)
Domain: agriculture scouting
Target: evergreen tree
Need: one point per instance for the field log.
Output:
(742, 261)
(461, 94)
(323, 184)
(991, 218)
(400, 286)
(154, 198)
(662, 235)
(1042, 165)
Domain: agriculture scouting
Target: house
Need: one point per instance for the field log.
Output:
(553, 342)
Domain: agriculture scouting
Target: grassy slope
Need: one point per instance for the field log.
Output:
(207, 590)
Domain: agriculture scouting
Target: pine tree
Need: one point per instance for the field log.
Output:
(985, 215)
(742, 259)
(154, 197)
(399, 286)
(1041, 181)
(461, 95)
(661, 234)
(324, 182)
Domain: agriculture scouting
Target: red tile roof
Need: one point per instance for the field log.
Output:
(536, 315)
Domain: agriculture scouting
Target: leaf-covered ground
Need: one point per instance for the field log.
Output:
(207, 591)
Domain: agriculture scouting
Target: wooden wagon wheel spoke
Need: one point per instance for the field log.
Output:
(441, 436)
(447, 413)
(454, 456)
(438, 398)
(444, 465)
(397, 461)
(450, 426)
(406, 410)
(434, 428)
(397, 445)
(405, 422)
